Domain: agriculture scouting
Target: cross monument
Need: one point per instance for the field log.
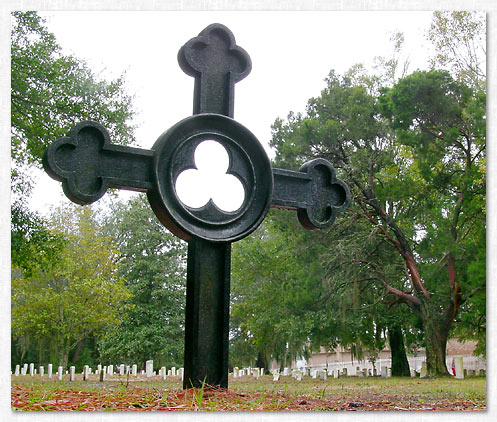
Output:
(87, 164)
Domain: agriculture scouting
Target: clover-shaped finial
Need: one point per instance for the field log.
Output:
(216, 63)
(210, 180)
(328, 196)
(73, 160)
(88, 164)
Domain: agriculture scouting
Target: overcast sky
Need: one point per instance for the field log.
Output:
(291, 52)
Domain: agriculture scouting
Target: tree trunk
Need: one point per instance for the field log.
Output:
(400, 364)
(435, 333)
(79, 348)
(261, 362)
(63, 356)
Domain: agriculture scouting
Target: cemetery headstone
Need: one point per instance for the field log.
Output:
(17, 370)
(72, 371)
(133, 370)
(42, 371)
(86, 372)
(121, 369)
(31, 369)
(110, 370)
(163, 372)
(25, 369)
(458, 364)
(336, 373)
(276, 376)
(181, 373)
(384, 371)
(149, 368)
(87, 164)
(49, 370)
(323, 374)
(286, 372)
(60, 373)
(413, 373)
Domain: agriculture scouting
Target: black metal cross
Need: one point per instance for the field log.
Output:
(87, 164)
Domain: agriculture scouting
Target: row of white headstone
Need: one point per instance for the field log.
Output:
(385, 372)
(101, 370)
(255, 372)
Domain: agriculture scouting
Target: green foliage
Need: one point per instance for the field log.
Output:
(33, 244)
(414, 157)
(459, 38)
(50, 92)
(80, 296)
(153, 265)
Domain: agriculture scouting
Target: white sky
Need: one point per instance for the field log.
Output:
(291, 52)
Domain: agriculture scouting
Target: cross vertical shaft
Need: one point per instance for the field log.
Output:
(216, 63)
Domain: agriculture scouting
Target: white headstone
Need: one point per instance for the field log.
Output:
(163, 372)
(173, 371)
(286, 372)
(262, 372)
(86, 372)
(110, 370)
(323, 375)
(389, 372)
(60, 373)
(31, 369)
(413, 373)
(314, 373)
(24, 369)
(336, 373)
(384, 372)
(49, 371)
(298, 376)
(104, 373)
(276, 376)
(99, 368)
(149, 367)
(235, 372)
(133, 370)
(42, 371)
(72, 371)
(181, 373)
(121, 370)
(18, 370)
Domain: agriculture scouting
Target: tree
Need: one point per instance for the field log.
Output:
(423, 178)
(153, 265)
(79, 297)
(460, 44)
(50, 92)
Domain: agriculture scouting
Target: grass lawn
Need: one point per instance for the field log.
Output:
(246, 393)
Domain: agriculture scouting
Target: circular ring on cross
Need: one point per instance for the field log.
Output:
(205, 215)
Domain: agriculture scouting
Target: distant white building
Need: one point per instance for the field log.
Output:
(341, 357)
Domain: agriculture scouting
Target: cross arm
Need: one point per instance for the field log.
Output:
(88, 164)
(314, 192)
